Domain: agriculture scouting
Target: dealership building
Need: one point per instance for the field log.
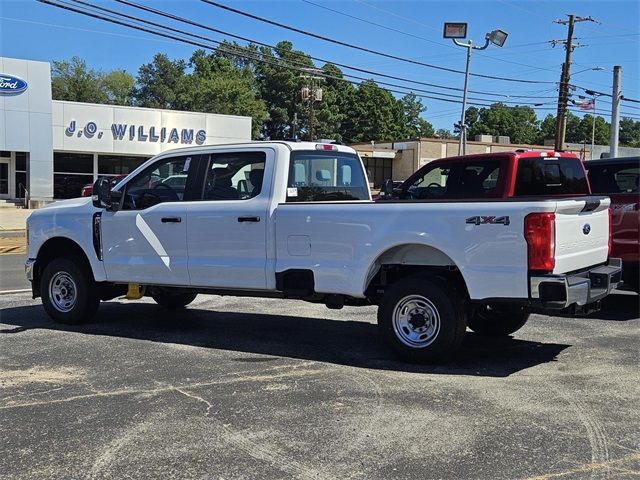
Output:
(49, 149)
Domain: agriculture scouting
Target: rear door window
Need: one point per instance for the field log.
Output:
(234, 176)
(553, 176)
(319, 176)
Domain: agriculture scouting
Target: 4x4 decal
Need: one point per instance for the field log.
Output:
(488, 220)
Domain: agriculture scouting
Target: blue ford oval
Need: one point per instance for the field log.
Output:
(10, 84)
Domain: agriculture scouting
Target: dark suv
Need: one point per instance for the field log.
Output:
(619, 178)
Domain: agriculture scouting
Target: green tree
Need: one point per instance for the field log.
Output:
(374, 115)
(444, 133)
(74, 81)
(629, 135)
(216, 85)
(415, 126)
(161, 83)
(574, 132)
(119, 87)
(520, 123)
(281, 88)
(600, 132)
(547, 129)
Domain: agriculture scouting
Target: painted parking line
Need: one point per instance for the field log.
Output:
(13, 249)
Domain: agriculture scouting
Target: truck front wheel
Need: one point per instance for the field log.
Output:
(422, 319)
(497, 321)
(174, 300)
(69, 293)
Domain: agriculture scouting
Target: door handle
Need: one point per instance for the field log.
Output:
(171, 219)
(248, 219)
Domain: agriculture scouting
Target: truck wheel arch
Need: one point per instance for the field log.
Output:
(411, 259)
(56, 247)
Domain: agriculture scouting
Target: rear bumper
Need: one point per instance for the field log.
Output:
(577, 289)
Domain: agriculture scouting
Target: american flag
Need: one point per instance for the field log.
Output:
(587, 105)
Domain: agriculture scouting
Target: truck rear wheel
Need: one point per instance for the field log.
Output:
(497, 321)
(174, 300)
(422, 319)
(69, 293)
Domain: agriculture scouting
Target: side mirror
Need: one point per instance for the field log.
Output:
(103, 197)
(387, 191)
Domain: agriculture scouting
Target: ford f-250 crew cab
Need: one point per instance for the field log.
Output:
(494, 175)
(296, 220)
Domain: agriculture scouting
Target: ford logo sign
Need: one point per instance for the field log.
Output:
(11, 85)
(586, 229)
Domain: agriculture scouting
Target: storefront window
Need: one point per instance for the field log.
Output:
(69, 186)
(72, 162)
(21, 174)
(118, 164)
(71, 171)
(378, 170)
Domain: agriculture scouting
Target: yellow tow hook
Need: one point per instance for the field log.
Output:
(135, 291)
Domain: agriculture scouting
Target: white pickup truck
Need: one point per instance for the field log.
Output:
(296, 220)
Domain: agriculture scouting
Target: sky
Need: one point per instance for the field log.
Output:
(408, 29)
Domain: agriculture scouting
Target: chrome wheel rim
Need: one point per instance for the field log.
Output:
(62, 292)
(416, 321)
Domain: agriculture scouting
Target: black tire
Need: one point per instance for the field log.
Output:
(69, 292)
(174, 300)
(498, 321)
(422, 319)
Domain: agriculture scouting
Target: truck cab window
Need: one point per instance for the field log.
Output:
(163, 181)
(234, 176)
(319, 176)
(470, 179)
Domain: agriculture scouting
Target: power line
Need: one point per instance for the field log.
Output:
(319, 59)
(223, 48)
(407, 34)
(349, 67)
(66, 6)
(363, 49)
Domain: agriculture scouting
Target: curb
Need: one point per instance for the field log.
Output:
(9, 292)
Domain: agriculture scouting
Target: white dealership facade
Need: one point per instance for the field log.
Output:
(50, 149)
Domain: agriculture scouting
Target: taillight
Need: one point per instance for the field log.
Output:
(540, 234)
(610, 231)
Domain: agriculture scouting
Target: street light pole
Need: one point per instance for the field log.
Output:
(462, 144)
(593, 127)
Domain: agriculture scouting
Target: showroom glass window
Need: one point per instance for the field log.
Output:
(116, 165)
(71, 172)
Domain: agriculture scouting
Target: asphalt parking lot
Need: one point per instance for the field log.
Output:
(237, 388)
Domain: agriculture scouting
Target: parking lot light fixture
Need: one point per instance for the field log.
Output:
(454, 31)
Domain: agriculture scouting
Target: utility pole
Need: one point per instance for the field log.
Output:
(311, 94)
(563, 90)
(615, 111)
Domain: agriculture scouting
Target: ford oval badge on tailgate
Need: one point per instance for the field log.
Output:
(11, 85)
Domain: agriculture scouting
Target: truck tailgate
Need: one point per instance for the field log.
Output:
(582, 233)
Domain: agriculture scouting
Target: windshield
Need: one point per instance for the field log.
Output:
(323, 176)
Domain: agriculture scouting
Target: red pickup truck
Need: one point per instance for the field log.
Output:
(619, 178)
(494, 175)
